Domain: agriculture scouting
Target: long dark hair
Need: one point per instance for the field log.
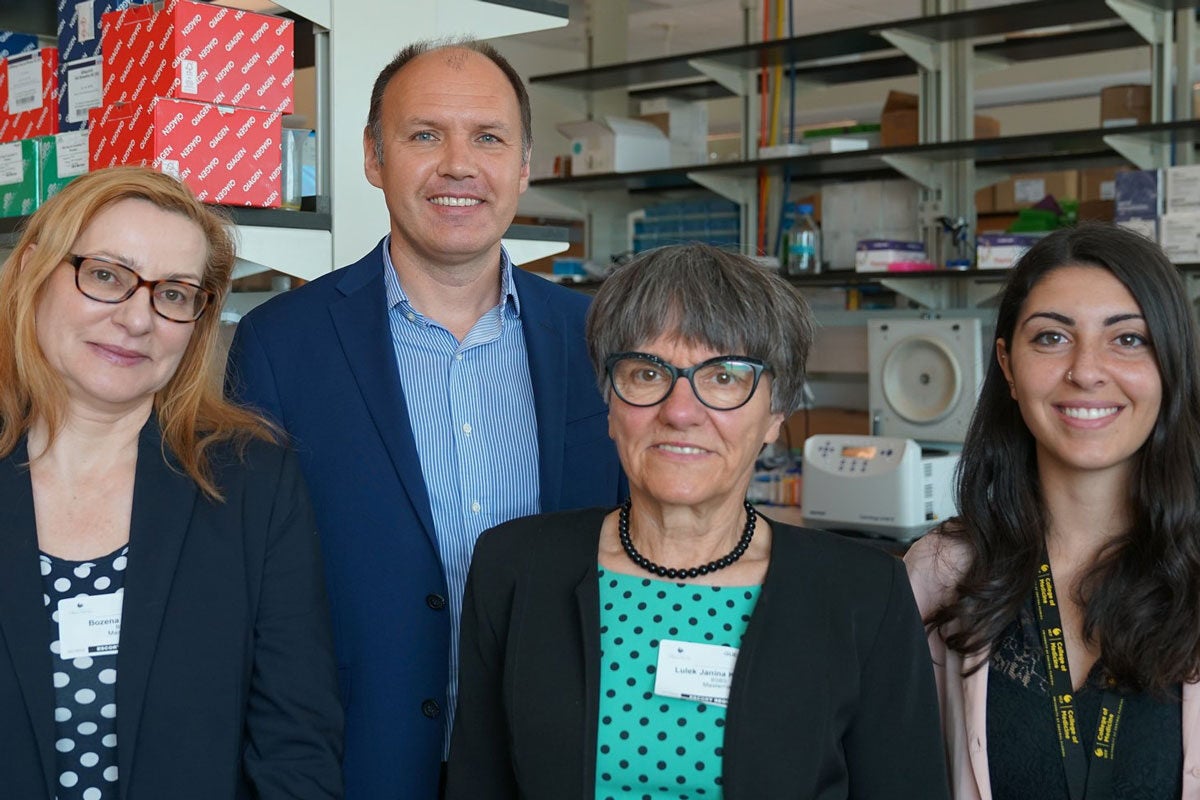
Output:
(1141, 597)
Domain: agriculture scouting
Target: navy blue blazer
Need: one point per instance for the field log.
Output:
(320, 360)
(226, 686)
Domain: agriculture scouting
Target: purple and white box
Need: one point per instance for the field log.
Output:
(877, 255)
(1139, 194)
(1002, 250)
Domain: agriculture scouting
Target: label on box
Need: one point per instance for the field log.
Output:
(1029, 190)
(85, 15)
(170, 166)
(24, 85)
(1108, 190)
(12, 165)
(71, 153)
(84, 83)
(189, 84)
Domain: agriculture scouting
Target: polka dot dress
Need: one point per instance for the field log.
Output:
(85, 689)
(649, 746)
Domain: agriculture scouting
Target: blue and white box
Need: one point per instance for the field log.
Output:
(1138, 194)
(12, 43)
(79, 25)
(78, 57)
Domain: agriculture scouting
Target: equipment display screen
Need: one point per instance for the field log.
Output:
(858, 452)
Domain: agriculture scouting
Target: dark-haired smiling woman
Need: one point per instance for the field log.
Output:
(1063, 603)
(682, 645)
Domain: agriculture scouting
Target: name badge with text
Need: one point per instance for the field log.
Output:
(693, 671)
(89, 626)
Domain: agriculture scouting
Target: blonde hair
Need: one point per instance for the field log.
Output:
(192, 410)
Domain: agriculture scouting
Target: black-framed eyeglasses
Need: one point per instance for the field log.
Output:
(107, 281)
(722, 383)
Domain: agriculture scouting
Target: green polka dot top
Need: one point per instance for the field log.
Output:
(650, 746)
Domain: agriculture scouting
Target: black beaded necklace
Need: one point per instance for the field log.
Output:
(692, 572)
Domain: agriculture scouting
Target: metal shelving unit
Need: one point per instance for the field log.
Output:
(944, 49)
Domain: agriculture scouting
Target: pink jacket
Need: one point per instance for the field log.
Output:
(934, 564)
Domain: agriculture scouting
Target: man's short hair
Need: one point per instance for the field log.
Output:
(375, 113)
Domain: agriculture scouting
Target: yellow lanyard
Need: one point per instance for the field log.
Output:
(1082, 783)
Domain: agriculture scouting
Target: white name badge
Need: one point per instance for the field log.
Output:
(693, 671)
(89, 626)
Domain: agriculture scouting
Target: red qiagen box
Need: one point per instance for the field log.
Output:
(198, 51)
(226, 155)
(29, 95)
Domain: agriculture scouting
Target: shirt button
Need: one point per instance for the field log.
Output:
(1196, 772)
(411, 316)
(435, 601)
(458, 356)
(466, 428)
(430, 708)
(475, 506)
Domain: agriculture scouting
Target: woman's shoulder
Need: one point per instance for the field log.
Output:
(252, 462)
(555, 534)
(935, 563)
(827, 550)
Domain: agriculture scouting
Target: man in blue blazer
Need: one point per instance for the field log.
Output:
(433, 390)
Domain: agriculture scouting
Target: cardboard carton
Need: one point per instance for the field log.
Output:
(1026, 190)
(29, 95)
(1127, 104)
(617, 144)
(62, 158)
(12, 44)
(1098, 183)
(198, 51)
(229, 156)
(901, 121)
(18, 178)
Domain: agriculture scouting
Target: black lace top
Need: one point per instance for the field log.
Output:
(1024, 760)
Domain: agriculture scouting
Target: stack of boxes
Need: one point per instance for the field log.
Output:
(189, 88)
(28, 110)
(1163, 205)
(79, 58)
(1179, 226)
(715, 222)
(197, 91)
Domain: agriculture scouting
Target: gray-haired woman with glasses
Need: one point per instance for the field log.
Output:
(682, 645)
(163, 623)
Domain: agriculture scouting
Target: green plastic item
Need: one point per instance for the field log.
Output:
(1034, 220)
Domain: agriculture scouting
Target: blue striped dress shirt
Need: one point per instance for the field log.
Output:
(470, 405)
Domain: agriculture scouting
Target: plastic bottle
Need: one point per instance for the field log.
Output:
(786, 223)
(803, 243)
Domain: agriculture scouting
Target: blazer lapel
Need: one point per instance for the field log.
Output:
(163, 503)
(548, 375)
(360, 319)
(587, 597)
(23, 619)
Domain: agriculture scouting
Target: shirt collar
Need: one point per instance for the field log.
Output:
(396, 295)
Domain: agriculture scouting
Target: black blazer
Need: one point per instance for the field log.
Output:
(226, 685)
(832, 697)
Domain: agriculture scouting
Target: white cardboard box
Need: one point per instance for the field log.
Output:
(1146, 227)
(1179, 235)
(1183, 189)
(687, 128)
(617, 144)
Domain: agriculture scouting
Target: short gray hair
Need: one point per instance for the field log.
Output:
(707, 296)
